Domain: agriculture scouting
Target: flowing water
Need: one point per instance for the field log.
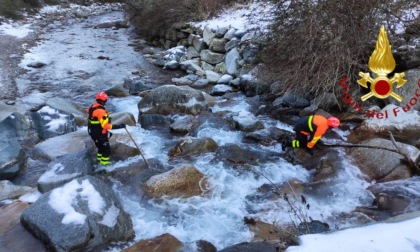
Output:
(217, 215)
(71, 49)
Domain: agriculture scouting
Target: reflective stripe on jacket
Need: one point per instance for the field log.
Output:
(98, 119)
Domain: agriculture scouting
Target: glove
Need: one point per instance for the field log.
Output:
(118, 126)
(310, 151)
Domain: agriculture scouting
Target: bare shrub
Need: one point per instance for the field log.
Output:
(154, 16)
(314, 44)
(13, 8)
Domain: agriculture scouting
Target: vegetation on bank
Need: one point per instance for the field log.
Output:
(314, 44)
(152, 16)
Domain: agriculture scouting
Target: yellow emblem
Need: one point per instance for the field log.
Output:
(381, 62)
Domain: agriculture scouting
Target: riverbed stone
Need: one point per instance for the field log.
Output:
(162, 243)
(93, 216)
(181, 181)
(382, 165)
(193, 146)
(171, 99)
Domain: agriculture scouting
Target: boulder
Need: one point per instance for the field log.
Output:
(382, 165)
(211, 57)
(232, 62)
(208, 34)
(220, 89)
(13, 236)
(67, 108)
(10, 215)
(191, 146)
(218, 45)
(396, 197)
(12, 158)
(183, 124)
(162, 243)
(171, 99)
(51, 122)
(148, 121)
(251, 247)
(408, 91)
(63, 145)
(181, 181)
(82, 214)
(117, 91)
(64, 169)
(252, 85)
(10, 191)
(238, 157)
(123, 117)
(192, 67)
(246, 121)
(267, 135)
(122, 147)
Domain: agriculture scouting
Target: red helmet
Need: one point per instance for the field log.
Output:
(101, 96)
(333, 122)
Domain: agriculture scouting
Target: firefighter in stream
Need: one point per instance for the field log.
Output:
(309, 130)
(98, 126)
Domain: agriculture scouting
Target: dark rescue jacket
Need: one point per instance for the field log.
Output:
(313, 126)
(98, 121)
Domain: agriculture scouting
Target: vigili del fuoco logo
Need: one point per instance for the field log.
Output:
(381, 63)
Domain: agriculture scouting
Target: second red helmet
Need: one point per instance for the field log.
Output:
(333, 122)
(102, 96)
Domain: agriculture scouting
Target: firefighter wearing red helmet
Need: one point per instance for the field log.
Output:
(98, 126)
(309, 130)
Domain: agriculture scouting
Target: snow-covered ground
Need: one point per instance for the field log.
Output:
(383, 237)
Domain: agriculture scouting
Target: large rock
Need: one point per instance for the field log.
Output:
(181, 181)
(66, 107)
(63, 145)
(10, 191)
(14, 128)
(13, 236)
(64, 169)
(51, 122)
(397, 197)
(171, 99)
(211, 57)
(122, 147)
(190, 146)
(408, 91)
(246, 121)
(162, 243)
(252, 85)
(183, 124)
(19, 126)
(123, 117)
(251, 247)
(82, 214)
(238, 157)
(405, 126)
(232, 62)
(10, 215)
(12, 158)
(382, 165)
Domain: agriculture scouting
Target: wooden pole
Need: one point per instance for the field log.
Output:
(132, 139)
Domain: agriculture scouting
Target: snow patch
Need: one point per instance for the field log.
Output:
(62, 200)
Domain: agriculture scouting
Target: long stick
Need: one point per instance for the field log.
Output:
(136, 146)
(360, 146)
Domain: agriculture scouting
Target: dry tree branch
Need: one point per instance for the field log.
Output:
(411, 163)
